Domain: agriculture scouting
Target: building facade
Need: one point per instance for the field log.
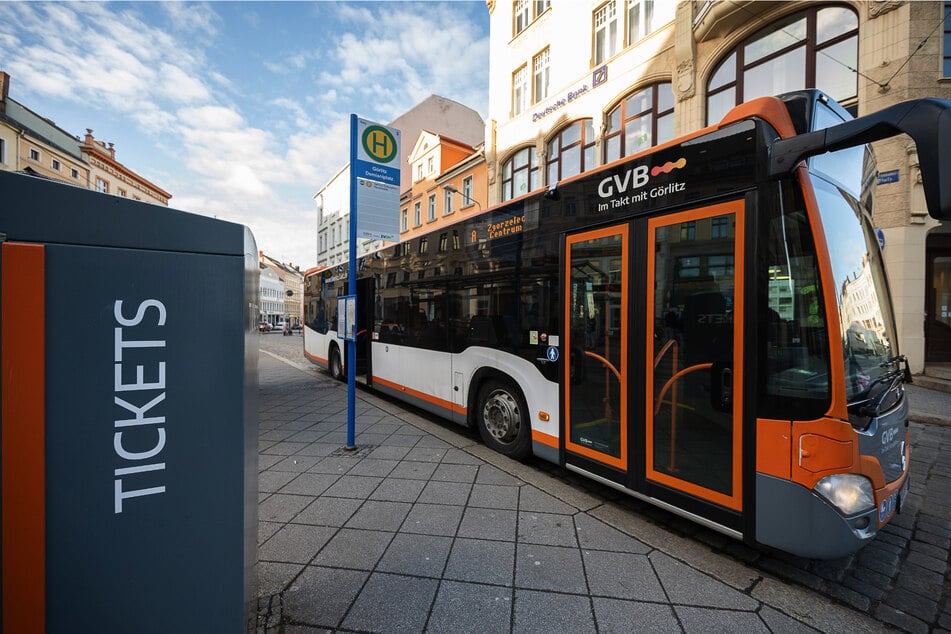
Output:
(636, 73)
(34, 144)
(109, 176)
(292, 290)
(435, 113)
(449, 181)
(271, 293)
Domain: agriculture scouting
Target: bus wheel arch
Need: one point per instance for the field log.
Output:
(501, 415)
(334, 363)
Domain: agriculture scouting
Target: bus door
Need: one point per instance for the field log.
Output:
(366, 296)
(596, 363)
(694, 313)
(678, 437)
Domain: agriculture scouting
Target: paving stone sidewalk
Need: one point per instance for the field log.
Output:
(424, 529)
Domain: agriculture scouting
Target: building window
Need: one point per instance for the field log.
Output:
(431, 164)
(56, 165)
(519, 16)
(404, 221)
(540, 75)
(605, 32)
(447, 203)
(102, 186)
(417, 219)
(816, 48)
(646, 16)
(431, 208)
(34, 155)
(3, 152)
(541, 6)
(642, 120)
(688, 230)
(122, 193)
(467, 199)
(719, 228)
(74, 173)
(419, 172)
(571, 151)
(520, 174)
(443, 242)
(520, 91)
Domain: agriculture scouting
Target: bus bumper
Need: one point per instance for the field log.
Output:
(797, 520)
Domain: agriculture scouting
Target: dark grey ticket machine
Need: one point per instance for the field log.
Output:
(128, 404)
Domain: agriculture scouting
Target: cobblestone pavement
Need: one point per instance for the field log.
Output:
(900, 581)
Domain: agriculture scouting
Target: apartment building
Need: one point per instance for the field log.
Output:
(292, 288)
(449, 182)
(34, 144)
(576, 85)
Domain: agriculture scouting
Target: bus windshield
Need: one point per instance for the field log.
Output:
(865, 313)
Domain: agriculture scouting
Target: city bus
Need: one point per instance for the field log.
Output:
(706, 326)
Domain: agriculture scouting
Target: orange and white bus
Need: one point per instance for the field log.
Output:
(706, 326)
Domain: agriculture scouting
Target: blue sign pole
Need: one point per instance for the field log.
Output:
(352, 290)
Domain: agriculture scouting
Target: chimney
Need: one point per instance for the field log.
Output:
(4, 90)
(112, 150)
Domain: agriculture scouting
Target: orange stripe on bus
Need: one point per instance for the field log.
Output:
(23, 443)
(315, 358)
(544, 439)
(435, 400)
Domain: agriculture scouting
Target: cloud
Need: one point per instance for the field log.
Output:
(192, 17)
(249, 139)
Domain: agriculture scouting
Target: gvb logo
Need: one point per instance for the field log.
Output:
(635, 178)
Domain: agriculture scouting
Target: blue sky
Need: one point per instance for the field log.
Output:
(241, 109)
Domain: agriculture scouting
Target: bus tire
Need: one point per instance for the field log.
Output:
(502, 419)
(336, 367)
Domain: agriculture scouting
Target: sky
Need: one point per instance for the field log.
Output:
(241, 110)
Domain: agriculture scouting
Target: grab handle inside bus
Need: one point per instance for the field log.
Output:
(926, 121)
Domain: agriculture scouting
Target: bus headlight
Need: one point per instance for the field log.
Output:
(849, 493)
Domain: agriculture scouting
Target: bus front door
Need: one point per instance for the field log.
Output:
(677, 437)
(693, 432)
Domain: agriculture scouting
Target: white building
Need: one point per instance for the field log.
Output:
(271, 301)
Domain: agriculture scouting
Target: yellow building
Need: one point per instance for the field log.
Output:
(35, 145)
(449, 181)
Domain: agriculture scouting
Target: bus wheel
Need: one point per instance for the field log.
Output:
(336, 368)
(503, 420)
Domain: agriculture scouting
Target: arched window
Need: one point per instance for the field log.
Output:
(520, 174)
(642, 120)
(816, 48)
(571, 151)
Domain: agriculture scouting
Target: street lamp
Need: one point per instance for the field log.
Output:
(452, 190)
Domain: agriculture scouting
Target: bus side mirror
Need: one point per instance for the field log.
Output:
(721, 387)
(926, 121)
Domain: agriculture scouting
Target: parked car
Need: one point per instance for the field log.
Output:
(264, 326)
(298, 327)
